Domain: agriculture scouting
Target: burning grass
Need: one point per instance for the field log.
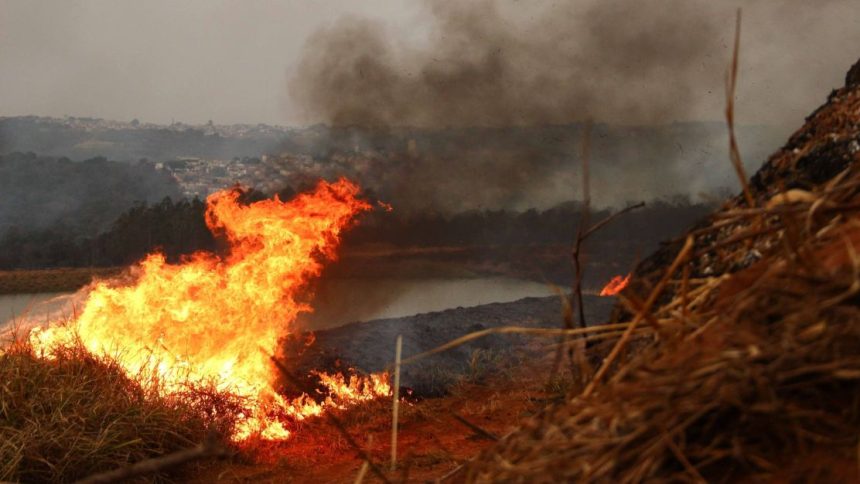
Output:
(169, 352)
(216, 318)
(76, 414)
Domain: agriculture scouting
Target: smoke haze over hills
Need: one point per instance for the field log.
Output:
(421, 100)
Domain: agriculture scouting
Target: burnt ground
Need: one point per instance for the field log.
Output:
(369, 346)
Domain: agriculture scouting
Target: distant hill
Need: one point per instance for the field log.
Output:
(41, 193)
(439, 169)
(81, 138)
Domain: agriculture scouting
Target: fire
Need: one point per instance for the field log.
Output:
(214, 319)
(616, 285)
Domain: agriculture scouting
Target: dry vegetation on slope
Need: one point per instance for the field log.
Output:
(748, 367)
(75, 414)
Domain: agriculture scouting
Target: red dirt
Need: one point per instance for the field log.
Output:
(431, 442)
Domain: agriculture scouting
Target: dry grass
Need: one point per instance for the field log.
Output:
(748, 366)
(743, 374)
(64, 418)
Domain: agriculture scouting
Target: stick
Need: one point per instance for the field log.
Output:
(364, 465)
(361, 473)
(474, 428)
(582, 234)
(513, 330)
(210, 447)
(599, 225)
(396, 404)
(690, 468)
(583, 222)
(731, 84)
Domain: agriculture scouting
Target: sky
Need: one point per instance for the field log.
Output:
(233, 62)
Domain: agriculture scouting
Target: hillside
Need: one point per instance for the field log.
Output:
(739, 362)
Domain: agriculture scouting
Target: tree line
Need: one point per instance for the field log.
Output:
(178, 228)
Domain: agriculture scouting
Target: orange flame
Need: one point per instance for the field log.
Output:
(616, 285)
(217, 319)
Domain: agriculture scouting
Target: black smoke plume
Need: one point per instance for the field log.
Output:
(486, 112)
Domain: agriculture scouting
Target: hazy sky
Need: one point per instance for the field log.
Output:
(230, 61)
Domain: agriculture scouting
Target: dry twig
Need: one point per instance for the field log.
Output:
(474, 428)
(210, 447)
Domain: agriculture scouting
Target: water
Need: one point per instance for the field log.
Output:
(37, 307)
(336, 303)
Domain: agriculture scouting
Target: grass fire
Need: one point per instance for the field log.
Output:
(396, 242)
(218, 319)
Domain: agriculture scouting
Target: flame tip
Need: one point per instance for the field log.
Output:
(616, 285)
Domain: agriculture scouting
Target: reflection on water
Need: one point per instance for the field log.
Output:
(343, 301)
(40, 307)
(336, 303)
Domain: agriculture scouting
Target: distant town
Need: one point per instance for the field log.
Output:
(201, 158)
(208, 129)
(199, 177)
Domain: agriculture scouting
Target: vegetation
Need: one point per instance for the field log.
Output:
(735, 360)
(51, 280)
(75, 414)
(87, 137)
(49, 204)
(738, 360)
(749, 375)
(178, 228)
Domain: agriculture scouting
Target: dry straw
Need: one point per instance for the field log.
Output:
(749, 365)
(750, 373)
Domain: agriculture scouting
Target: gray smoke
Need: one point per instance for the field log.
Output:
(491, 64)
(569, 62)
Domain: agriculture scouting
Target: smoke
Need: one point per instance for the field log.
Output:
(480, 68)
(486, 66)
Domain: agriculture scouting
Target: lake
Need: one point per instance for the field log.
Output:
(41, 306)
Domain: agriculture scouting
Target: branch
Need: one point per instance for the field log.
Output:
(210, 447)
(599, 225)
(731, 85)
(474, 428)
(514, 330)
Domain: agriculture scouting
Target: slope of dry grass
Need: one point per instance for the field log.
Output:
(747, 366)
(75, 414)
